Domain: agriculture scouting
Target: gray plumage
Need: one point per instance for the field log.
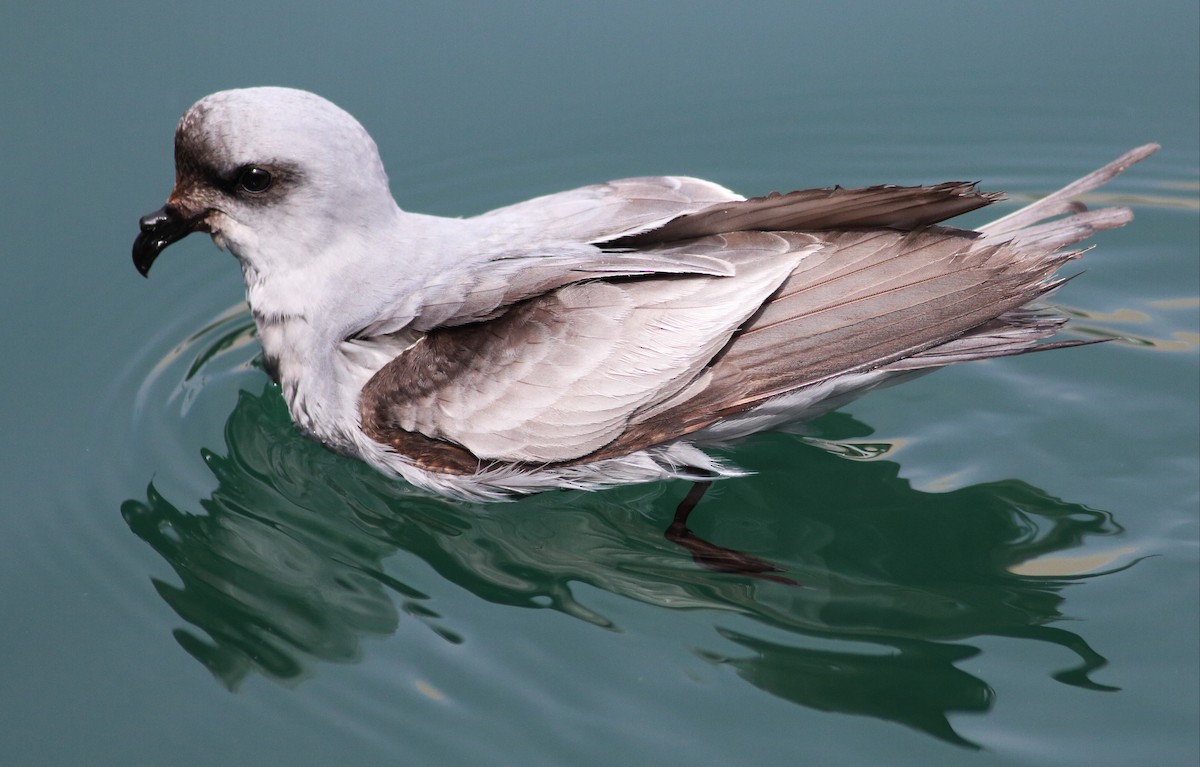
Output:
(600, 335)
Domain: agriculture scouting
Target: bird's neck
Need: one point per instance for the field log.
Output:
(305, 368)
(309, 316)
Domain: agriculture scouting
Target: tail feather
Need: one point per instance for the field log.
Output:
(1012, 333)
(1063, 201)
(1062, 232)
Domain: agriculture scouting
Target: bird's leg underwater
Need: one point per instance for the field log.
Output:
(711, 556)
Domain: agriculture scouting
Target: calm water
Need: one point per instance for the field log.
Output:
(998, 563)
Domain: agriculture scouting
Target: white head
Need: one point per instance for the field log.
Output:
(263, 170)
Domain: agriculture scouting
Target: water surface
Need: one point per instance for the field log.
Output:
(997, 564)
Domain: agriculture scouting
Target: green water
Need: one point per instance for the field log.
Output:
(997, 564)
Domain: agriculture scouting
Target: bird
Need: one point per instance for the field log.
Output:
(605, 335)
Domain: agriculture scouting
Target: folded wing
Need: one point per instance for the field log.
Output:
(673, 322)
(561, 375)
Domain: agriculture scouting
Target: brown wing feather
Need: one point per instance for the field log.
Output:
(892, 207)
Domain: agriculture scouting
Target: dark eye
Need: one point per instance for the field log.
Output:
(253, 179)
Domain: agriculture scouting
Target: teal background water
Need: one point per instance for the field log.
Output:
(998, 562)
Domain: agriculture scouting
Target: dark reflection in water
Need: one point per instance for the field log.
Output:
(284, 567)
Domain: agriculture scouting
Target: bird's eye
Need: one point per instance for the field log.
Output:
(253, 179)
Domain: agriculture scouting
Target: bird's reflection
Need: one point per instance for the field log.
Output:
(283, 567)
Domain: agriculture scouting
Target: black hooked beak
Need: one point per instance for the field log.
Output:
(159, 229)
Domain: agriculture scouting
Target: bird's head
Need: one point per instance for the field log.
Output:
(273, 174)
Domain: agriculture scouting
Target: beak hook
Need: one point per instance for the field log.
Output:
(158, 230)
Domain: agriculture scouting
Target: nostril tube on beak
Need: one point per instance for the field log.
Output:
(158, 218)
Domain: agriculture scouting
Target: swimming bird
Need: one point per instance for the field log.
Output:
(599, 336)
